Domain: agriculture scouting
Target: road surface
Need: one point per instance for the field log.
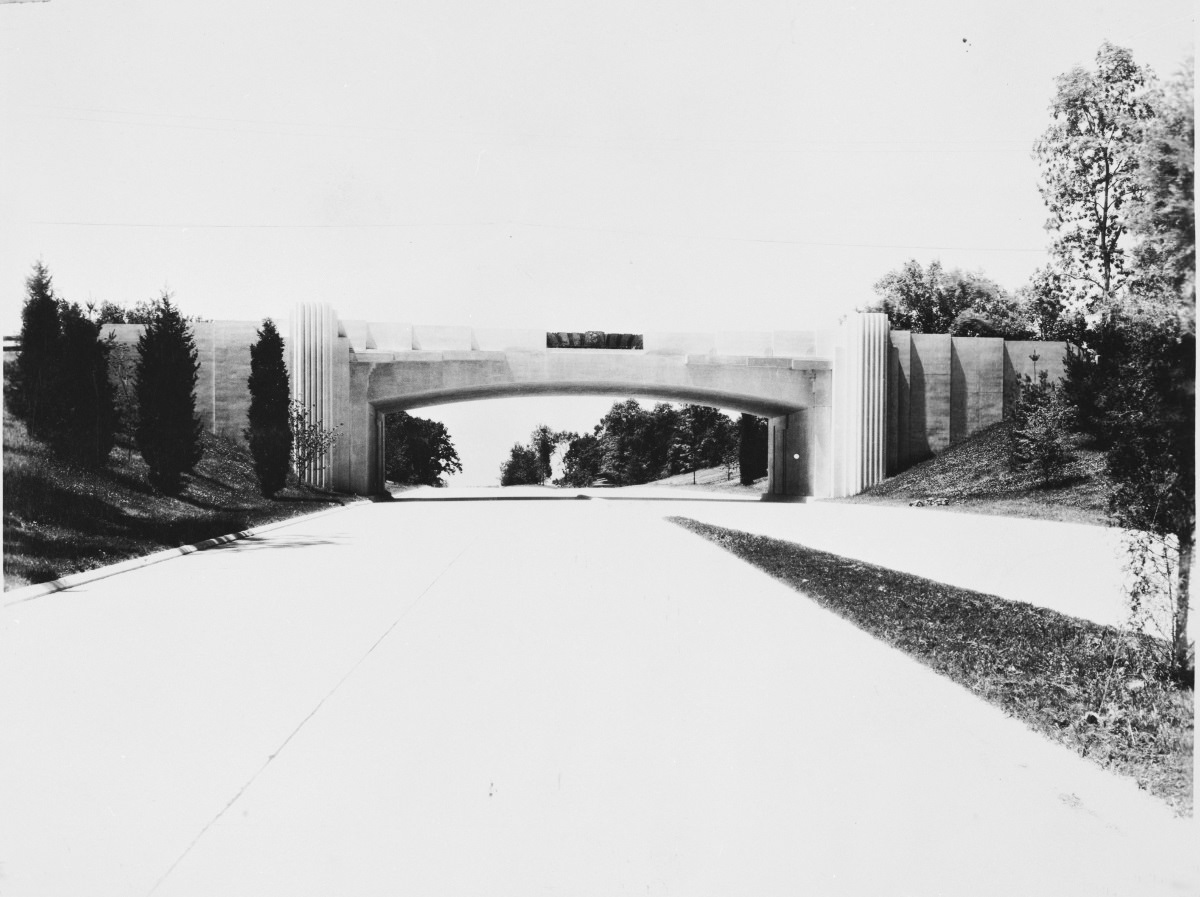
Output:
(567, 696)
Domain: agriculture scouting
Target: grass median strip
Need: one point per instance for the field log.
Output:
(1099, 690)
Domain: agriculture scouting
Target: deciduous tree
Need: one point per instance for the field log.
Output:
(419, 452)
(932, 300)
(1089, 157)
(522, 467)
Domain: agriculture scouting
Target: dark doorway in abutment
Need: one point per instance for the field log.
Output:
(587, 440)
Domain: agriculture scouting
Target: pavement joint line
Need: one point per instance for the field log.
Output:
(296, 731)
(40, 590)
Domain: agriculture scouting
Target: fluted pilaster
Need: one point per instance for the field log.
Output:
(863, 395)
(313, 332)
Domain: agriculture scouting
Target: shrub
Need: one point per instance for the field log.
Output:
(312, 442)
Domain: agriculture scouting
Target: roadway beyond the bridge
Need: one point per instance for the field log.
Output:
(521, 697)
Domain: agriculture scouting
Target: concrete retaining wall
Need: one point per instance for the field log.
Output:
(945, 388)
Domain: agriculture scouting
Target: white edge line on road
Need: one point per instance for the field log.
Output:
(38, 590)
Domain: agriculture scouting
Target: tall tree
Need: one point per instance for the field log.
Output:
(418, 452)
(168, 430)
(1089, 157)
(33, 389)
(269, 433)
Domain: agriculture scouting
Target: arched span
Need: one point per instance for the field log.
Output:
(770, 387)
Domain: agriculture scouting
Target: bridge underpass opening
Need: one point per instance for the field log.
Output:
(483, 431)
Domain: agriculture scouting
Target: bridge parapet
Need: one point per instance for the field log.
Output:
(377, 336)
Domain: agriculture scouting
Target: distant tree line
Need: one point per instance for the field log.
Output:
(633, 445)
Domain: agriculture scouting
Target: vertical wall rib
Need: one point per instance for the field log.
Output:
(862, 393)
(313, 331)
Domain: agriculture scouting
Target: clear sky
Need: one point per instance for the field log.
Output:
(627, 166)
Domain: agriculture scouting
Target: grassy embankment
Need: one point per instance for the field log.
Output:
(60, 520)
(714, 479)
(973, 476)
(1098, 690)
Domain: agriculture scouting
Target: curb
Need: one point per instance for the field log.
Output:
(38, 590)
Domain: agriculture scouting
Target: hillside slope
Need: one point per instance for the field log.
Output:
(974, 476)
(59, 519)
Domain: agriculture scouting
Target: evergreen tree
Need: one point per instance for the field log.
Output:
(60, 384)
(86, 416)
(32, 393)
(168, 430)
(269, 433)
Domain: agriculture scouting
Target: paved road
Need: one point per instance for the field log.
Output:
(520, 697)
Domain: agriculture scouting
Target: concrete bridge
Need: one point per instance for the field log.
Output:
(846, 406)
